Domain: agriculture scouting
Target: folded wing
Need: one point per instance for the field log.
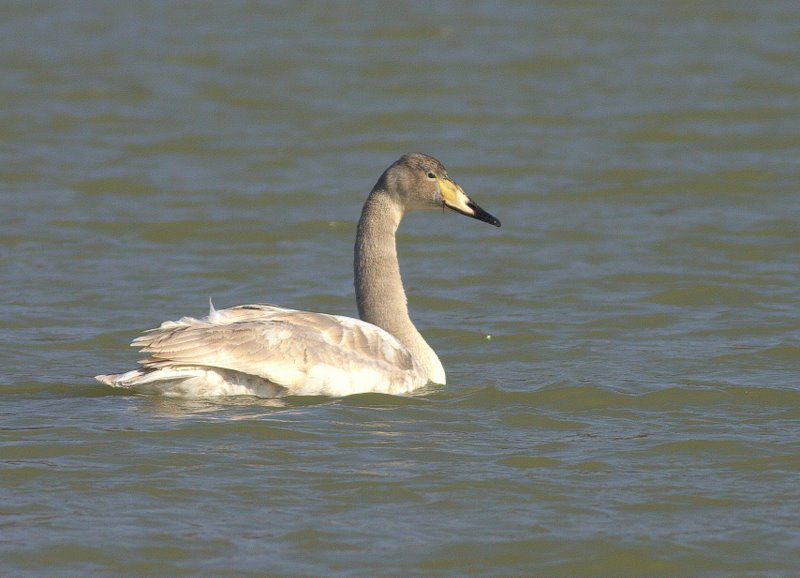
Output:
(304, 353)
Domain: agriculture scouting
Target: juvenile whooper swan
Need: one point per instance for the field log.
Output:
(271, 351)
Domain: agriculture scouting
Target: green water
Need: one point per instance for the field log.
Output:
(623, 355)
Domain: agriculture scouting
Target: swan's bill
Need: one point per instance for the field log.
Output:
(455, 198)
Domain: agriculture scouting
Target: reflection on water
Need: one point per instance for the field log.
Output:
(230, 408)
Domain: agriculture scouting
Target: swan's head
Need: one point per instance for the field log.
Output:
(422, 182)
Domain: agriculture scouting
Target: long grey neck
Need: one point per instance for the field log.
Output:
(379, 289)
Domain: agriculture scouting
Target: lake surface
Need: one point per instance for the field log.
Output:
(623, 355)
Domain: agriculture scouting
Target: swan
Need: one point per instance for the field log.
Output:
(272, 351)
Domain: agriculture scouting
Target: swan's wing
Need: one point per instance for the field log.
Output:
(301, 351)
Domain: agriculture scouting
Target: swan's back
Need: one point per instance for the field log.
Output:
(267, 350)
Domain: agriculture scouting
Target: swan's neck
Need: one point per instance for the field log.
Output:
(379, 288)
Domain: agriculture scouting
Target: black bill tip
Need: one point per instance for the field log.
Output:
(482, 215)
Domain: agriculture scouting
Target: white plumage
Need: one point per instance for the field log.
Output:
(267, 350)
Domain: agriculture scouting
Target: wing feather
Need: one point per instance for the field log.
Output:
(302, 351)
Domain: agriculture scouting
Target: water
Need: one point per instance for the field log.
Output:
(622, 355)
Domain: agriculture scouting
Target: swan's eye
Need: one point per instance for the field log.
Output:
(431, 175)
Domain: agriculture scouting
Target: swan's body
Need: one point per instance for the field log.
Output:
(271, 351)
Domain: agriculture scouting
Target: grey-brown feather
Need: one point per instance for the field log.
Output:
(278, 345)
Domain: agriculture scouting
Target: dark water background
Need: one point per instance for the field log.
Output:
(623, 355)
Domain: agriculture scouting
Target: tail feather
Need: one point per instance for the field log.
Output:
(146, 375)
(192, 381)
(107, 379)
